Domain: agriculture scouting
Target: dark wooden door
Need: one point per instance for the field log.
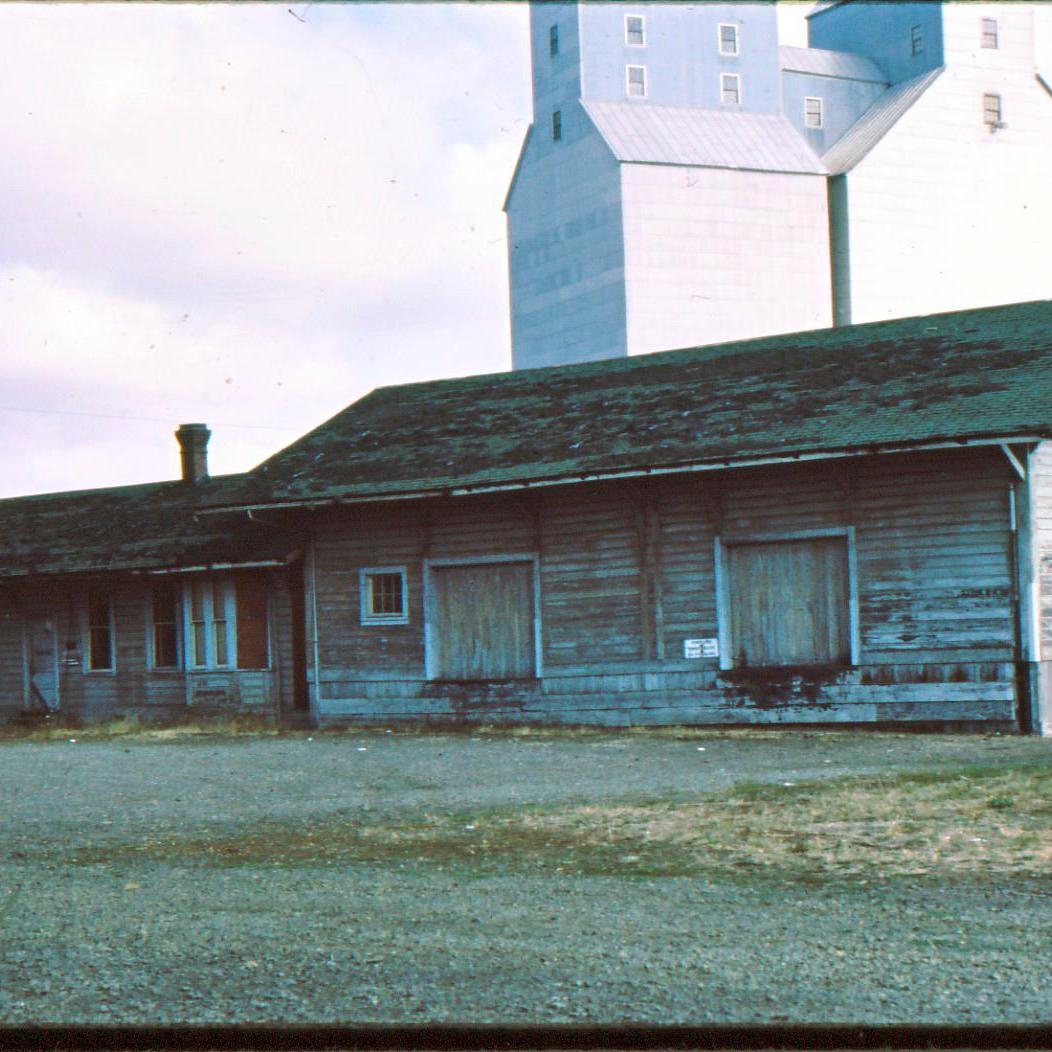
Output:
(789, 602)
(483, 621)
(251, 597)
(42, 658)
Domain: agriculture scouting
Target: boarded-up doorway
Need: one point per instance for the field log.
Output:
(789, 602)
(41, 658)
(482, 621)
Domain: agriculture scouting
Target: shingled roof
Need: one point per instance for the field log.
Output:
(153, 526)
(979, 374)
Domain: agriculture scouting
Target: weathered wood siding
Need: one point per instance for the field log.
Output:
(590, 570)
(627, 575)
(132, 686)
(11, 666)
(934, 550)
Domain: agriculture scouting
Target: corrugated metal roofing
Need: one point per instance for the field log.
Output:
(843, 64)
(702, 138)
(876, 122)
(978, 374)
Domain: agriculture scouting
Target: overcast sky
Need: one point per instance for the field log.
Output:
(244, 215)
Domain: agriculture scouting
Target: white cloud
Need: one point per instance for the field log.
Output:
(226, 213)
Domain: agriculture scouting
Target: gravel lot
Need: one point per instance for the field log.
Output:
(144, 940)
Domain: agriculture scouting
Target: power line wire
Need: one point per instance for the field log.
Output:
(144, 419)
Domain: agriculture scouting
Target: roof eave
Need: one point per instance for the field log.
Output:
(835, 167)
(680, 467)
(518, 168)
(140, 569)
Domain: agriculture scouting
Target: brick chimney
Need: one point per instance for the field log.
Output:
(193, 450)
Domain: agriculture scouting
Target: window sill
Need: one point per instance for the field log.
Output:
(783, 673)
(211, 669)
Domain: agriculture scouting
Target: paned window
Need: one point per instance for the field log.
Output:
(992, 111)
(198, 624)
(383, 592)
(916, 40)
(989, 33)
(636, 77)
(730, 89)
(728, 39)
(100, 632)
(165, 624)
(210, 621)
(812, 112)
(635, 31)
(557, 125)
(219, 625)
(553, 41)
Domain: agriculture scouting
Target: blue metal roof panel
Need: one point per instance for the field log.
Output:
(875, 123)
(702, 138)
(820, 62)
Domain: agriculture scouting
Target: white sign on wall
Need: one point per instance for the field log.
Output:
(701, 648)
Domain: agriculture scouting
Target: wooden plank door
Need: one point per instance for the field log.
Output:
(42, 666)
(483, 621)
(790, 603)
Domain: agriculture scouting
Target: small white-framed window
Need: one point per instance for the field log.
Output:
(384, 595)
(730, 89)
(635, 31)
(993, 114)
(553, 41)
(812, 111)
(988, 33)
(165, 615)
(557, 125)
(99, 632)
(636, 81)
(209, 621)
(728, 38)
(916, 40)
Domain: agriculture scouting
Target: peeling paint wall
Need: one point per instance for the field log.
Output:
(627, 581)
(132, 687)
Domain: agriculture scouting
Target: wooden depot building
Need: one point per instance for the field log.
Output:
(847, 526)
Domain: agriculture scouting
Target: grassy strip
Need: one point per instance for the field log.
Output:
(7, 906)
(980, 821)
(133, 728)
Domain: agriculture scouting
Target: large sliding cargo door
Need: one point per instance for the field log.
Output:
(482, 621)
(789, 602)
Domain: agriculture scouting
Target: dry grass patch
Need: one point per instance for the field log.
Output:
(131, 727)
(971, 823)
(967, 823)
